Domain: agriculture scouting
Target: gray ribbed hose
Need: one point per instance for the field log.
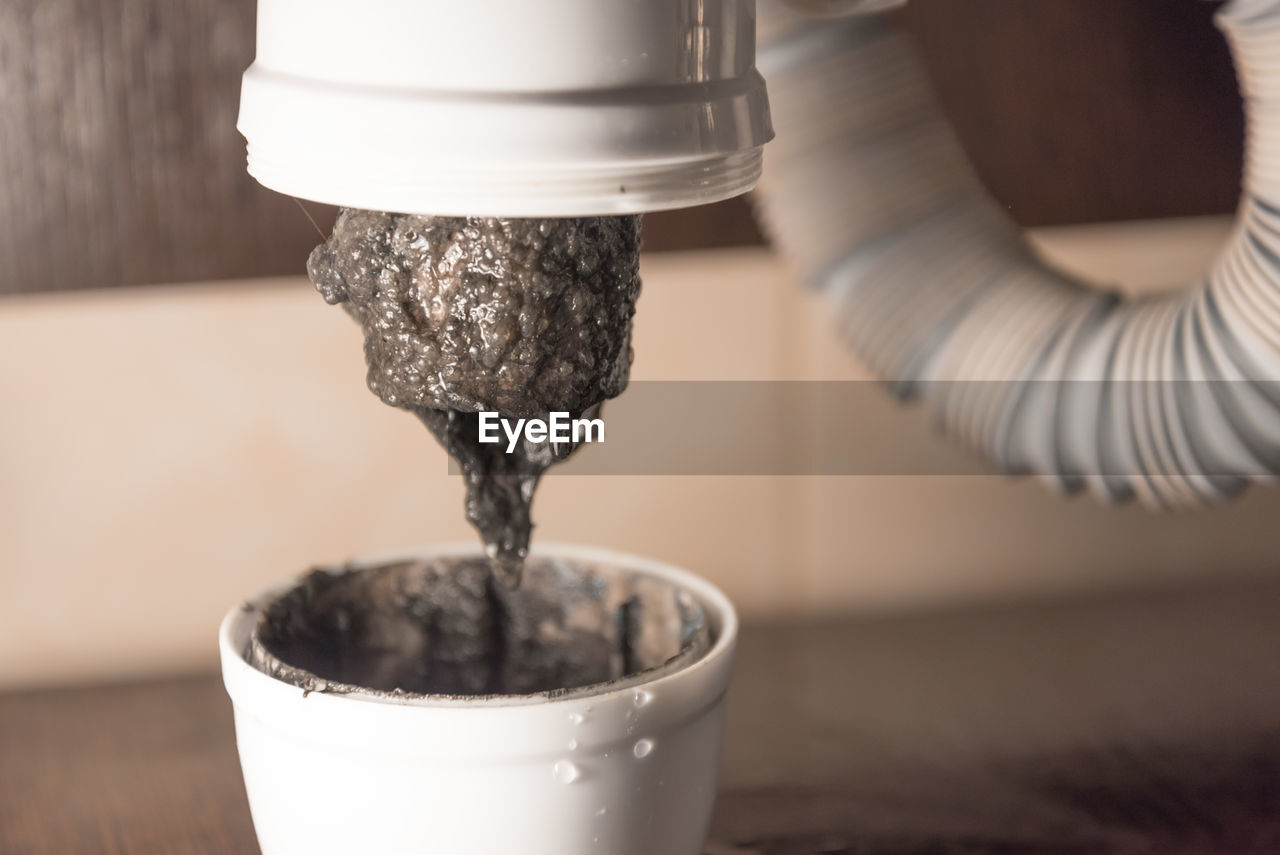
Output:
(1172, 399)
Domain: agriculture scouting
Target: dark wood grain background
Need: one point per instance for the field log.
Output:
(120, 163)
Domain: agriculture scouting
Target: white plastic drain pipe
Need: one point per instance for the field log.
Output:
(506, 107)
(1175, 400)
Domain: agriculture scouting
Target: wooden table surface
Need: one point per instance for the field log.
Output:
(1142, 723)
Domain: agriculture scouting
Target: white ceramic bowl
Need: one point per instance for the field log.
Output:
(604, 769)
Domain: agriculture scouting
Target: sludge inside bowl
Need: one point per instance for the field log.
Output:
(409, 706)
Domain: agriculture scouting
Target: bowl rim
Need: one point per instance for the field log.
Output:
(719, 613)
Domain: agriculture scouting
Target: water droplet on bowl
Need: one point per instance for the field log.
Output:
(565, 772)
(642, 748)
(575, 717)
(643, 698)
(573, 745)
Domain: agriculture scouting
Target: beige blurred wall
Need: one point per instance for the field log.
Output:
(166, 452)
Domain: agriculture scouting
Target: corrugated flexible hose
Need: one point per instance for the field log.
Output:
(1173, 399)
